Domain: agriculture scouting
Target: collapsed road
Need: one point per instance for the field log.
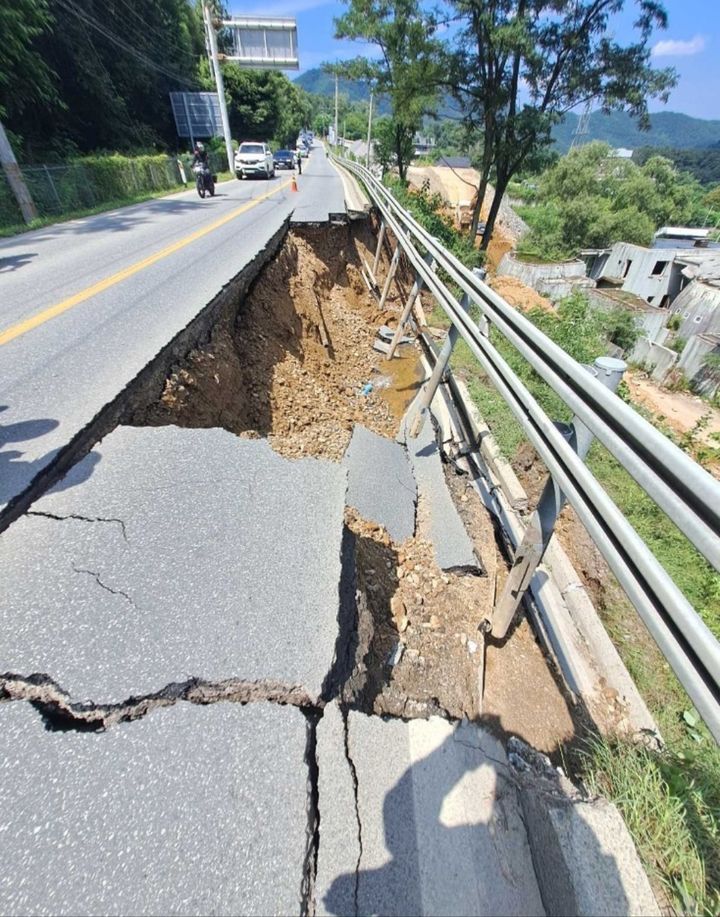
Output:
(240, 649)
(88, 304)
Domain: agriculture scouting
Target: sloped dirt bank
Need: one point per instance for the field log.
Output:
(292, 363)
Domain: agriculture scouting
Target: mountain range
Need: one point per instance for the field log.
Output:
(667, 128)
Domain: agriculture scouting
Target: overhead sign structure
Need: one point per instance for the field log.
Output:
(263, 43)
(197, 114)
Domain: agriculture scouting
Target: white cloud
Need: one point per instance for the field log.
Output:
(674, 48)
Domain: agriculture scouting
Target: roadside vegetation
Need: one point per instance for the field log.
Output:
(670, 799)
(590, 199)
(93, 184)
(84, 99)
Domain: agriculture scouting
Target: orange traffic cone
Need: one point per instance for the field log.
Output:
(293, 183)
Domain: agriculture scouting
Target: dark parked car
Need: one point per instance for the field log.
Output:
(284, 159)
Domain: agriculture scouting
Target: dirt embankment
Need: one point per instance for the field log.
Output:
(292, 363)
(519, 294)
(682, 411)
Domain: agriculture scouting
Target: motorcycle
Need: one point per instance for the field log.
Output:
(204, 180)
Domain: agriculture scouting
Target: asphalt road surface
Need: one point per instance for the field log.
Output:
(85, 305)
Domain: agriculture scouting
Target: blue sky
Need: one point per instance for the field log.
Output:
(691, 44)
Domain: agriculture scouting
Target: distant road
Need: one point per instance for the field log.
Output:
(85, 305)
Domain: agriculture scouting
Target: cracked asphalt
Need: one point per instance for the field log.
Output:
(125, 283)
(170, 633)
(177, 620)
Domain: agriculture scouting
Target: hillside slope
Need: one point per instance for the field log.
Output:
(668, 129)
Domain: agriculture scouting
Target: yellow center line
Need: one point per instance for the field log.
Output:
(14, 331)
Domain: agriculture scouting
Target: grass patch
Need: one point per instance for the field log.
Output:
(41, 222)
(670, 804)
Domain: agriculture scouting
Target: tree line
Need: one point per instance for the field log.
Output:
(591, 198)
(514, 67)
(79, 76)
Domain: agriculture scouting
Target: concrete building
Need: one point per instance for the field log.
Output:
(651, 320)
(682, 235)
(698, 305)
(656, 275)
(649, 274)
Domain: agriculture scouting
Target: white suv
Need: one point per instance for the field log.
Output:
(254, 159)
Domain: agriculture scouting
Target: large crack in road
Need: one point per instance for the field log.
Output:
(285, 354)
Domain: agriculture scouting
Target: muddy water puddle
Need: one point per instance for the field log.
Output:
(405, 375)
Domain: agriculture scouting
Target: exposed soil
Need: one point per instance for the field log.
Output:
(679, 410)
(499, 246)
(586, 558)
(290, 364)
(420, 653)
(541, 717)
(519, 294)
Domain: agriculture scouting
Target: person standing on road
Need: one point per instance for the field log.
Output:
(299, 161)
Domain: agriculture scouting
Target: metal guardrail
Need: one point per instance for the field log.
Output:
(678, 485)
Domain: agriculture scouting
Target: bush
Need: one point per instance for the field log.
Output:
(91, 181)
(424, 207)
(590, 199)
(677, 344)
(622, 329)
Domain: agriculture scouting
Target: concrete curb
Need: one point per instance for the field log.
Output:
(585, 860)
(356, 201)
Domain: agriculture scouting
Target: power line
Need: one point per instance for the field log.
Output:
(153, 30)
(124, 45)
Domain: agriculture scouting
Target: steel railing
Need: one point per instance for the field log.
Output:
(678, 485)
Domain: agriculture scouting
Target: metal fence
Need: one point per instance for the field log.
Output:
(63, 189)
(678, 485)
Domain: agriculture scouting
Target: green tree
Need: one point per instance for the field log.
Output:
(386, 143)
(522, 64)
(115, 64)
(590, 199)
(262, 104)
(406, 71)
(25, 78)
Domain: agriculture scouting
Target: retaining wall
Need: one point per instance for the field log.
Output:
(534, 274)
(658, 360)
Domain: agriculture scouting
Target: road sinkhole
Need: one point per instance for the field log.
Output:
(293, 362)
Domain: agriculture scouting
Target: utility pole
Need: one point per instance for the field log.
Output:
(15, 179)
(336, 111)
(369, 140)
(219, 85)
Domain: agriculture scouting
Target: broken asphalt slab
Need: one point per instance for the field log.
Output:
(453, 547)
(186, 554)
(190, 810)
(419, 817)
(381, 486)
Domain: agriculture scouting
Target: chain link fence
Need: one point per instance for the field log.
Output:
(97, 180)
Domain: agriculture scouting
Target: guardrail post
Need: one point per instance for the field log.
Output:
(391, 275)
(378, 250)
(431, 386)
(405, 315)
(540, 526)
